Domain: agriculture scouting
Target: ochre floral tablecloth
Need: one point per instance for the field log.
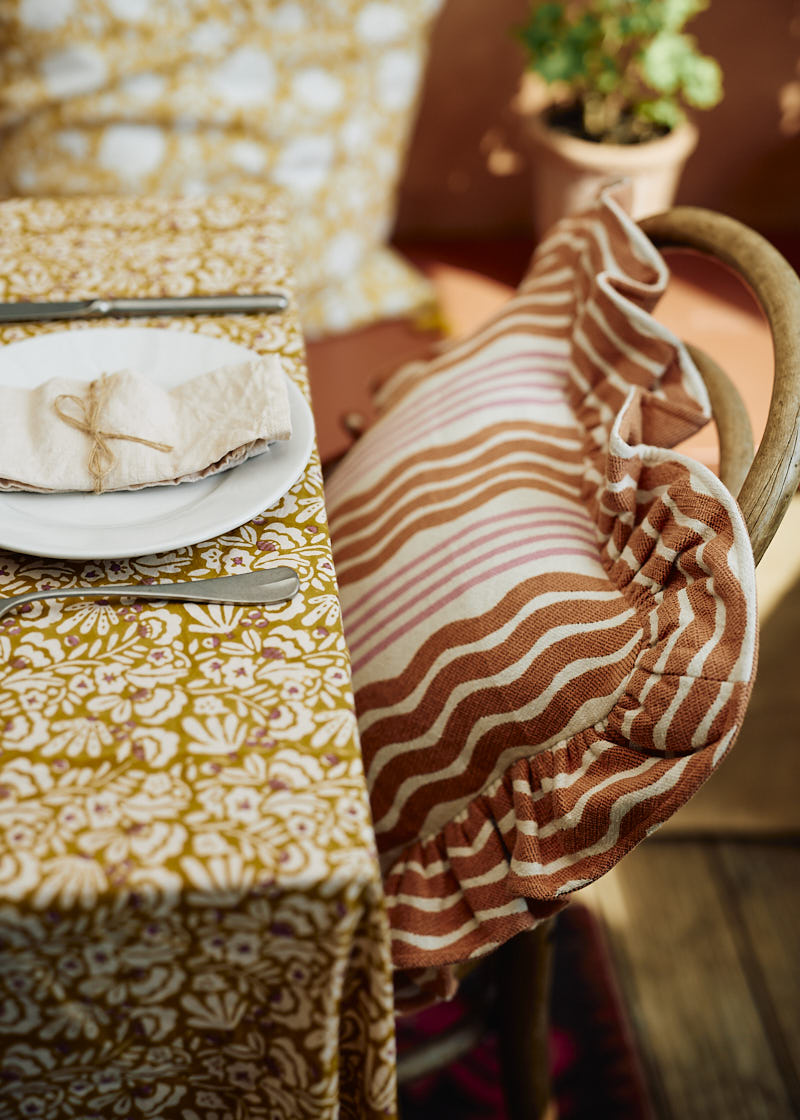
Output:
(191, 918)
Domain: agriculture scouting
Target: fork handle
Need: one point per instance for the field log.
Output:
(272, 585)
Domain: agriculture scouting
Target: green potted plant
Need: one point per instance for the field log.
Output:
(621, 75)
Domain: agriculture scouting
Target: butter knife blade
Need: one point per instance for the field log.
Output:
(264, 303)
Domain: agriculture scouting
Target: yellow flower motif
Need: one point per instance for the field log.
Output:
(158, 628)
(292, 722)
(19, 1014)
(157, 843)
(152, 795)
(334, 729)
(86, 737)
(242, 805)
(325, 612)
(92, 617)
(222, 878)
(158, 704)
(109, 680)
(36, 652)
(238, 672)
(210, 844)
(214, 735)
(21, 730)
(159, 666)
(208, 705)
(103, 810)
(69, 880)
(215, 1012)
(153, 746)
(22, 778)
(19, 873)
(72, 819)
(213, 619)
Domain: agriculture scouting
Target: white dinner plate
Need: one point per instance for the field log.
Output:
(76, 526)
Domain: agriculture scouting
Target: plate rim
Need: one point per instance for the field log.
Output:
(302, 444)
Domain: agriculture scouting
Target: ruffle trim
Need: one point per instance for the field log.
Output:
(552, 824)
(616, 344)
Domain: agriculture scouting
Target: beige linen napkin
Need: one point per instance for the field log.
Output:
(123, 432)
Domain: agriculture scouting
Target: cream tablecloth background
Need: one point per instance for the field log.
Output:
(191, 921)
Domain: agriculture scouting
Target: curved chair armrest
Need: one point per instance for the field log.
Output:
(773, 477)
(736, 448)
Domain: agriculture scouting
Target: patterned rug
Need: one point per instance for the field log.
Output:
(595, 1066)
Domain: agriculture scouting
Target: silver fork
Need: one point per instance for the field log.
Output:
(269, 586)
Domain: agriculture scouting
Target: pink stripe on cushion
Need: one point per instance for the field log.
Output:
(370, 542)
(388, 588)
(408, 434)
(448, 574)
(409, 411)
(456, 593)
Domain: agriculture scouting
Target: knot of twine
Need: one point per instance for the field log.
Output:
(101, 457)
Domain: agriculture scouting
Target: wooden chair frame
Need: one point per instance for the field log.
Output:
(772, 479)
(518, 973)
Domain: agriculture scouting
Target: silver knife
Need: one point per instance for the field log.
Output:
(265, 303)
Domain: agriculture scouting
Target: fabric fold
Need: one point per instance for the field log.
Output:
(125, 432)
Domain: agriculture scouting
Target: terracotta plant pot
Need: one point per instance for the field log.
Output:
(569, 172)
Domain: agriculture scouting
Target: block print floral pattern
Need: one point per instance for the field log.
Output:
(317, 99)
(191, 919)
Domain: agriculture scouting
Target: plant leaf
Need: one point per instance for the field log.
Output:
(560, 64)
(678, 12)
(662, 111)
(702, 82)
(663, 61)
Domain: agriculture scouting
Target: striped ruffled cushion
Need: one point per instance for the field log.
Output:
(551, 617)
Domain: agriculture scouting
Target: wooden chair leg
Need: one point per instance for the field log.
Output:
(523, 991)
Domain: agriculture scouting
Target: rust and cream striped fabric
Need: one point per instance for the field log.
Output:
(551, 616)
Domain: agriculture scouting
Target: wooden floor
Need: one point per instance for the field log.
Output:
(705, 938)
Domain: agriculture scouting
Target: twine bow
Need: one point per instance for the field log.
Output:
(101, 457)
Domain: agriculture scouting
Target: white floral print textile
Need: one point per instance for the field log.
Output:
(191, 917)
(315, 97)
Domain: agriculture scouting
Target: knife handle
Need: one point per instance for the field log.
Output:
(188, 305)
(24, 312)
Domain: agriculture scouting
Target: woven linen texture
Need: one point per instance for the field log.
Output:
(551, 616)
(315, 97)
